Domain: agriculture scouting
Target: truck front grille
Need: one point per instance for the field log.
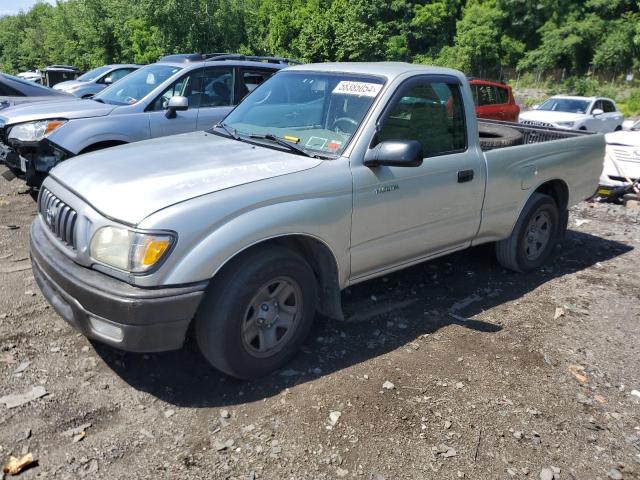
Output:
(59, 217)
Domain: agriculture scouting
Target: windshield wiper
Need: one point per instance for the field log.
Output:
(230, 130)
(291, 146)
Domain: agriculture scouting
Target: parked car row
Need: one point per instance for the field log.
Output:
(94, 81)
(178, 94)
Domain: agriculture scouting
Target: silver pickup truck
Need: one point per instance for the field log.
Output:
(325, 176)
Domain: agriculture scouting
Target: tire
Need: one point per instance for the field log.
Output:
(498, 136)
(229, 325)
(618, 128)
(534, 236)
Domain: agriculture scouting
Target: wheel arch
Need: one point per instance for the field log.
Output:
(101, 145)
(556, 189)
(321, 259)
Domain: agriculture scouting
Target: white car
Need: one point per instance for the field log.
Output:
(578, 113)
(622, 158)
(35, 77)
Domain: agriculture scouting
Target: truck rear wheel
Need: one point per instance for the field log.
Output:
(257, 312)
(534, 236)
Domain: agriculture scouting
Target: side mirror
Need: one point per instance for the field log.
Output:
(176, 104)
(108, 81)
(597, 111)
(535, 107)
(395, 153)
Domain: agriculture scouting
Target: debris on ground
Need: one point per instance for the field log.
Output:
(614, 474)
(388, 385)
(333, 419)
(578, 373)
(16, 400)
(15, 466)
(77, 433)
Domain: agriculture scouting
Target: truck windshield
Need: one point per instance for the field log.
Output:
(92, 74)
(136, 85)
(569, 105)
(314, 111)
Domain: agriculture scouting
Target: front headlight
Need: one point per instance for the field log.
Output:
(128, 250)
(566, 124)
(35, 131)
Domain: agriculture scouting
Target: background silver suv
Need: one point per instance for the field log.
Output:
(96, 80)
(178, 94)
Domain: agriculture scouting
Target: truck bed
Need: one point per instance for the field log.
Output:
(571, 159)
(534, 134)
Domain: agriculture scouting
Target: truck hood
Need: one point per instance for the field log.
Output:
(628, 138)
(130, 182)
(63, 107)
(552, 117)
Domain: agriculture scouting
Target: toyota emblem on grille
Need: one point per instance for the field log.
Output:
(50, 215)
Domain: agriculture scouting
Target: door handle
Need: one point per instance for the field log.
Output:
(465, 176)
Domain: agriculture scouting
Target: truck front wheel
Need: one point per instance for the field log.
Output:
(257, 312)
(534, 236)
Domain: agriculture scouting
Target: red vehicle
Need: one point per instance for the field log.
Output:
(494, 100)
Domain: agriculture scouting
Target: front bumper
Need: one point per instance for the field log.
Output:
(32, 161)
(105, 309)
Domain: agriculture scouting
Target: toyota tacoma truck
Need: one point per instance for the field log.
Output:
(325, 176)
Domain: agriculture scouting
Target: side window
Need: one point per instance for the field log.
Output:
(597, 105)
(502, 95)
(431, 113)
(608, 106)
(217, 87)
(187, 86)
(118, 74)
(250, 79)
(486, 95)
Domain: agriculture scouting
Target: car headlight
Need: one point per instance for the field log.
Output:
(128, 250)
(566, 124)
(34, 131)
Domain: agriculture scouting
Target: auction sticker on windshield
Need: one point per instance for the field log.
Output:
(361, 89)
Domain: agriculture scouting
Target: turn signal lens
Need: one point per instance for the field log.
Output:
(155, 250)
(148, 249)
(52, 125)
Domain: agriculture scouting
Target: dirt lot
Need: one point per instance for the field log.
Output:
(538, 381)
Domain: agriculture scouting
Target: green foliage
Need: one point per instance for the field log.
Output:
(630, 105)
(480, 37)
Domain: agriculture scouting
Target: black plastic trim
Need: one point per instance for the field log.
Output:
(150, 319)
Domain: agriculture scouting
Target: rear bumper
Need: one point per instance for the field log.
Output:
(108, 310)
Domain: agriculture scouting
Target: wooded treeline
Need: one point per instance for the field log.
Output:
(480, 37)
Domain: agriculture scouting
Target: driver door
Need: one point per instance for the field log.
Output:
(189, 86)
(401, 214)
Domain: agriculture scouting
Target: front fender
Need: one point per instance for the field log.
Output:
(81, 133)
(215, 228)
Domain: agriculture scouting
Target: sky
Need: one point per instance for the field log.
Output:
(11, 7)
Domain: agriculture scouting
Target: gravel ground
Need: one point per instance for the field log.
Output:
(536, 377)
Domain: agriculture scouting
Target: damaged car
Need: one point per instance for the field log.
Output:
(180, 93)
